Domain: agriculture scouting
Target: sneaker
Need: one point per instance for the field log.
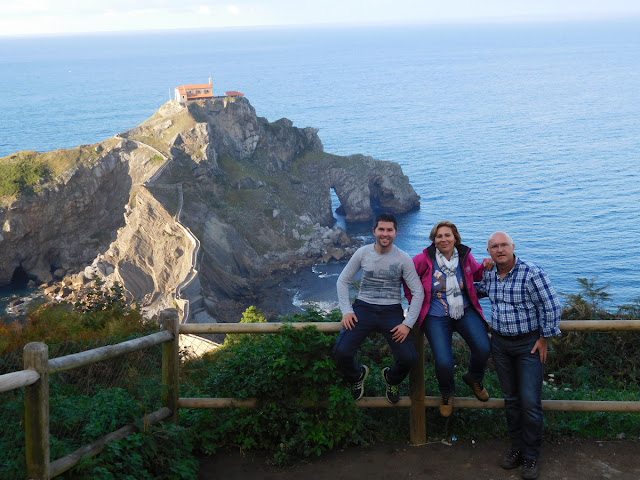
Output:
(530, 468)
(511, 460)
(446, 405)
(357, 389)
(478, 389)
(393, 391)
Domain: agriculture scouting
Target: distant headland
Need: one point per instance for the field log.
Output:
(204, 205)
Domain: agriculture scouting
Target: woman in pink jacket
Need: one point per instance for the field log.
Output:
(447, 270)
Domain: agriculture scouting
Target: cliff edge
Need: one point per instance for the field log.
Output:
(202, 205)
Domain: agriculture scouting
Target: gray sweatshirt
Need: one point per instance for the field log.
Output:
(381, 284)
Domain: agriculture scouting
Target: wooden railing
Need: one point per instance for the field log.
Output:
(37, 368)
(417, 400)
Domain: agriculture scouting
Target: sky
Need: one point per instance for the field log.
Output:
(41, 17)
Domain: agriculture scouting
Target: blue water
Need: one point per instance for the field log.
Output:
(532, 129)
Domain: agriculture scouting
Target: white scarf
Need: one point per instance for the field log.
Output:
(454, 295)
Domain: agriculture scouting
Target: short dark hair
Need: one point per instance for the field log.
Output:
(445, 223)
(385, 217)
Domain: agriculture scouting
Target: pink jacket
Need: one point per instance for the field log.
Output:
(424, 266)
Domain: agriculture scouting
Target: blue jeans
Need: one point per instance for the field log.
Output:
(473, 329)
(375, 318)
(521, 373)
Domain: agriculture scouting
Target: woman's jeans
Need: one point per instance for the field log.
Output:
(521, 373)
(375, 318)
(472, 328)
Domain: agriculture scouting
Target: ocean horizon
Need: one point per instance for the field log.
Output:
(533, 129)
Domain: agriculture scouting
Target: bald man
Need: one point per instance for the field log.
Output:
(525, 313)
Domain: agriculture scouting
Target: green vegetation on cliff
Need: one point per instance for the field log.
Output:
(104, 314)
(21, 172)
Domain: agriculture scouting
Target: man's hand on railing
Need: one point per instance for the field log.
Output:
(349, 321)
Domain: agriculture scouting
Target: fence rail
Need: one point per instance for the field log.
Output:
(77, 360)
(417, 400)
(67, 462)
(334, 327)
(37, 368)
(15, 380)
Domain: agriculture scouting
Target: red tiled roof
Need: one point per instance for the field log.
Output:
(233, 93)
(201, 85)
(183, 90)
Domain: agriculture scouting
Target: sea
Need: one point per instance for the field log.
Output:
(533, 129)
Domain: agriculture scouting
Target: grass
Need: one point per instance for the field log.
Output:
(157, 159)
(180, 123)
(25, 171)
(153, 142)
(236, 170)
(20, 173)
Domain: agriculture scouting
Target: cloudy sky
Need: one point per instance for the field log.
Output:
(34, 17)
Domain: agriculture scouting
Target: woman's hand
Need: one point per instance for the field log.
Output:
(488, 264)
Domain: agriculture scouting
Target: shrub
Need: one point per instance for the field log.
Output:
(103, 314)
(283, 371)
(159, 452)
(19, 174)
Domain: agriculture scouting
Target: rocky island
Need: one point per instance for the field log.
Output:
(202, 206)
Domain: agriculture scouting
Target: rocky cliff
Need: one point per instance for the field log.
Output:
(207, 202)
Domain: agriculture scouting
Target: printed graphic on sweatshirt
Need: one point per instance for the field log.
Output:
(381, 283)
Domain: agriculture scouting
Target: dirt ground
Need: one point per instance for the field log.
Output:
(569, 460)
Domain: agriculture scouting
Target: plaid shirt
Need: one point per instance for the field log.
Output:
(523, 301)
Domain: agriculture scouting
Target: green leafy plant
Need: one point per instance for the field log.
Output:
(19, 174)
(159, 452)
(284, 372)
(589, 302)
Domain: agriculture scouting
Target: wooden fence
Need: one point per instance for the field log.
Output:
(38, 367)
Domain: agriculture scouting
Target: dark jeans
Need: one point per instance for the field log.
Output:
(473, 329)
(521, 373)
(375, 318)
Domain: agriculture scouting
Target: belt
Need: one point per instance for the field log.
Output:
(522, 336)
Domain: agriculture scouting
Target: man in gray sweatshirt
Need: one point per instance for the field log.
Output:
(378, 308)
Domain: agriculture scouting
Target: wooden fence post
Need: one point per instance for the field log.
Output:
(418, 428)
(36, 412)
(171, 362)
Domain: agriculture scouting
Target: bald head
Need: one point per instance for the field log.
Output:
(501, 235)
(501, 247)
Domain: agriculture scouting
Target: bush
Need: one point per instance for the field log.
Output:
(103, 314)
(159, 452)
(85, 403)
(283, 371)
(19, 174)
(608, 359)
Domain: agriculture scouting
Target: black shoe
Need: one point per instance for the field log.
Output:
(393, 391)
(511, 460)
(530, 469)
(357, 389)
